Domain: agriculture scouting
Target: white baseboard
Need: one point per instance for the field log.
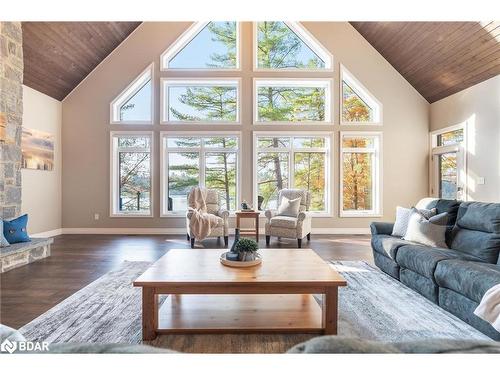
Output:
(56, 232)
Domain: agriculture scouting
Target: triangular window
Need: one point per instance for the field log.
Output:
(205, 45)
(134, 104)
(359, 106)
(288, 46)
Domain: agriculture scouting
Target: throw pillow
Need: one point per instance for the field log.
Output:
(289, 207)
(3, 240)
(403, 216)
(16, 230)
(429, 232)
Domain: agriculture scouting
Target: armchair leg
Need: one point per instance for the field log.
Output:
(187, 236)
(226, 240)
(192, 242)
(268, 240)
(299, 242)
(309, 236)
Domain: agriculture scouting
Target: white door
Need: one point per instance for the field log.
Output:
(448, 167)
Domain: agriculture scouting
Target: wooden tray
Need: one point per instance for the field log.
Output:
(239, 264)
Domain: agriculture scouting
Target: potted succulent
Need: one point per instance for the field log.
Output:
(247, 249)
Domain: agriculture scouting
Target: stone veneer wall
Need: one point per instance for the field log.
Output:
(11, 114)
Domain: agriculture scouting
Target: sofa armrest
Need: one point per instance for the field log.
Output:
(270, 213)
(223, 213)
(381, 228)
(303, 215)
(189, 213)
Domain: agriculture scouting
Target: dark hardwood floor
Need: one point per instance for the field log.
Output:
(77, 260)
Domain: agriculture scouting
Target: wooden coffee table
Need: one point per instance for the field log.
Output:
(206, 297)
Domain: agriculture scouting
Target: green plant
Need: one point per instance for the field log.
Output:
(246, 245)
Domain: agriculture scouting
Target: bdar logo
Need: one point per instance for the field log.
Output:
(8, 346)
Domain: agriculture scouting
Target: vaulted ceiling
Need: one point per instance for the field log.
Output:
(437, 58)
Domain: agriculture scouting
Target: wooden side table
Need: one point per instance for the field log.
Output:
(248, 215)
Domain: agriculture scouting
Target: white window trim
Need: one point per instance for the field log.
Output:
(164, 166)
(377, 178)
(325, 83)
(185, 38)
(164, 102)
(113, 174)
(461, 148)
(328, 168)
(364, 94)
(138, 82)
(304, 35)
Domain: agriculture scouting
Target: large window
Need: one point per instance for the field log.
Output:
(190, 159)
(131, 166)
(200, 101)
(205, 46)
(358, 105)
(292, 101)
(134, 105)
(288, 46)
(360, 174)
(299, 160)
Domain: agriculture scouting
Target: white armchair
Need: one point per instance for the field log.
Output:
(213, 207)
(290, 227)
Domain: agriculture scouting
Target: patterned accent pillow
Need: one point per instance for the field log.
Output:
(403, 215)
(3, 240)
(289, 207)
(429, 232)
(16, 230)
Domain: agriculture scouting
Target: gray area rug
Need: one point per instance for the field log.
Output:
(373, 306)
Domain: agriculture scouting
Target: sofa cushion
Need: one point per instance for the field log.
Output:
(430, 232)
(477, 230)
(424, 259)
(471, 279)
(449, 206)
(387, 245)
(284, 222)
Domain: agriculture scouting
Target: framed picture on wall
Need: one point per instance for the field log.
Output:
(37, 149)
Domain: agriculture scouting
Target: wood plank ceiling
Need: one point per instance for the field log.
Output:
(59, 55)
(437, 58)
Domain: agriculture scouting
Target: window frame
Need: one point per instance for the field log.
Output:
(303, 34)
(294, 82)
(212, 81)
(364, 94)
(128, 92)
(377, 187)
(195, 134)
(329, 186)
(114, 170)
(185, 38)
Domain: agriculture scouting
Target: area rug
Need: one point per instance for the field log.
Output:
(373, 306)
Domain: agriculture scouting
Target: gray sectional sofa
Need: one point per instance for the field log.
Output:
(455, 278)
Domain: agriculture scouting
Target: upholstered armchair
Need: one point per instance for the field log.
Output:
(213, 207)
(290, 227)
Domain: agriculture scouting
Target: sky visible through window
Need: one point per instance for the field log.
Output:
(138, 107)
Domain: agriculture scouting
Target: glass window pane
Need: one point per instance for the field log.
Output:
(354, 108)
(221, 142)
(138, 107)
(291, 104)
(135, 181)
(309, 174)
(183, 174)
(273, 142)
(448, 175)
(450, 138)
(358, 142)
(272, 176)
(182, 142)
(357, 183)
(280, 48)
(202, 103)
(220, 174)
(308, 142)
(138, 142)
(213, 47)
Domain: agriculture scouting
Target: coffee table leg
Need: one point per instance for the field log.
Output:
(330, 311)
(149, 313)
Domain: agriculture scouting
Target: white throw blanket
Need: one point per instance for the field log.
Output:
(200, 222)
(489, 308)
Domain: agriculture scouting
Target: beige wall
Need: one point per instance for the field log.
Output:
(86, 124)
(41, 190)
(479, 107)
